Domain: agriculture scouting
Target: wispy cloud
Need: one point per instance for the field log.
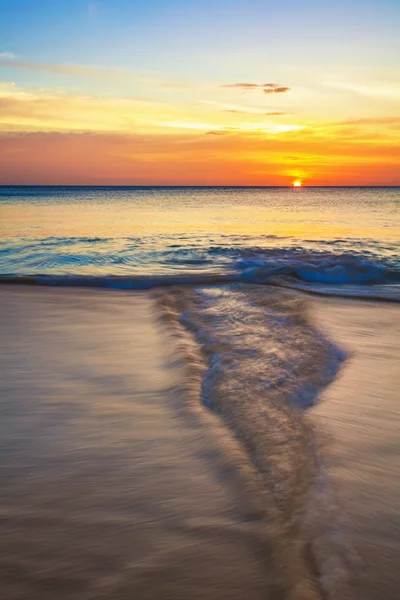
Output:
(373, 121)
(46, 109)
(8, 60)
(242, 108)
(7, 56)
(140, 76)
(50, 109)
(252, 112)
(216, 132)
(365, 90)
(266, 88)
(258, 128)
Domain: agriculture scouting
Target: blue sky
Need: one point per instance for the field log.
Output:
(212, 37)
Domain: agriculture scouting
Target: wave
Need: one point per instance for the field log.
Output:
(345, 267)
(265, 365)
(331, 269)
(379, 292)
(337, 262)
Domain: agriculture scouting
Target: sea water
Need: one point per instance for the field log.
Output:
(143, 236)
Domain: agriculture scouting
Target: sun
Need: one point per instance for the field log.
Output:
(297, 183)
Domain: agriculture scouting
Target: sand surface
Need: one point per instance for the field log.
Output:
(113, 486)
(108, 489)
(360, 415)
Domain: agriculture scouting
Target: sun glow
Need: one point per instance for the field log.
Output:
(297, 183)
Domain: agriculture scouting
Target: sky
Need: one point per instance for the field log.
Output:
(168, 92)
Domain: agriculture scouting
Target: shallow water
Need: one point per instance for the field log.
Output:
(266, 364)
(319, 235)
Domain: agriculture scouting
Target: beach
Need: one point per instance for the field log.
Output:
(110, 486)
(117, 480)
(199, 300)
(359, 418)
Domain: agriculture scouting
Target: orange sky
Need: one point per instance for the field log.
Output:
(228, 159)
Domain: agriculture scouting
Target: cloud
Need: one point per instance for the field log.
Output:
(364, 130)
(7, 56)
(364, 90)
(7, 59)
(372, 121)
(274, 88)
(51, 110)
(266, 88)
(277, 114)
(252, 112)
(93, 70)
(243, 109)
(46, 109)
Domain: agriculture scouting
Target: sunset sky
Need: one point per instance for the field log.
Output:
(255, 92)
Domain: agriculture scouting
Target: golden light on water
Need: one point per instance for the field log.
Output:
(297, 183)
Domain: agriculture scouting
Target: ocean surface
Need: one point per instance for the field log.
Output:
(139, 237)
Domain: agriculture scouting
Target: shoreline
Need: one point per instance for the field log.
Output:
(375, 293)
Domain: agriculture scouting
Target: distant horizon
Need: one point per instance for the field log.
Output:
(28, 185)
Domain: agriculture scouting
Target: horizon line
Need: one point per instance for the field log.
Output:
(290, 186)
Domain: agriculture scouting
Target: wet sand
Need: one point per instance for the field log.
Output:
(116, 483)
(111, 486)
(360, 416)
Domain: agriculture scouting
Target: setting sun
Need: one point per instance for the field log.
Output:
(297, 183)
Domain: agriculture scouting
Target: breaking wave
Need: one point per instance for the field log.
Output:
(152, 261)
(321, 272)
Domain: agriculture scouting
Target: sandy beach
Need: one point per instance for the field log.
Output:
(108, 489)
(117, 484)
(360, 418)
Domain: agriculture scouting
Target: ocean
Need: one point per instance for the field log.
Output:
(140, 237)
